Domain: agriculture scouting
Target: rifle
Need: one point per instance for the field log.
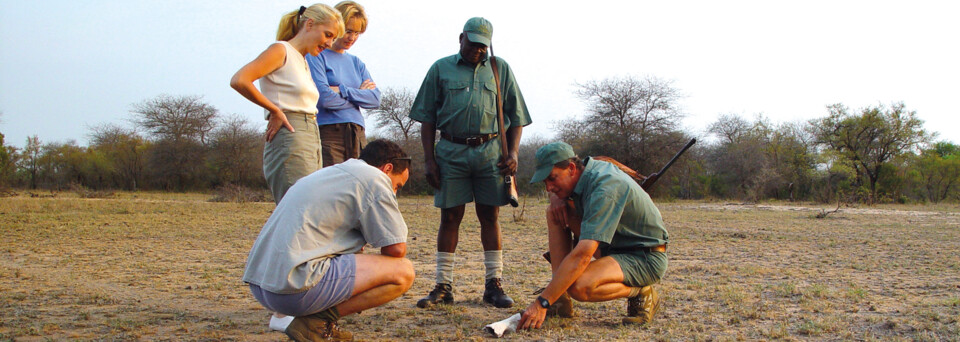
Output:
(653, 177)
(508, 179)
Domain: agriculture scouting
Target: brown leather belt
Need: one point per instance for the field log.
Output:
(660, 248)
(473, 141)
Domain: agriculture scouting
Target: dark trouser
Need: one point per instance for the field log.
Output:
(341, 141)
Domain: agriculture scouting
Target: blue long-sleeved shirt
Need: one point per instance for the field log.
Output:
(347, 72)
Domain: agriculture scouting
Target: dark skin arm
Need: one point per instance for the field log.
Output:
(508, 163)
(428, 134)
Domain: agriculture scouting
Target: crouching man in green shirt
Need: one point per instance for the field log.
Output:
(612, 219)
(306, 261)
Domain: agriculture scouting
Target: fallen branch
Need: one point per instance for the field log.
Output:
(823, 213)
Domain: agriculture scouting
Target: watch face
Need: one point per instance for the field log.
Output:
(543, 302)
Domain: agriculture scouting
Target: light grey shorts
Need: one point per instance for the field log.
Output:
(334, 288)
(292, 155)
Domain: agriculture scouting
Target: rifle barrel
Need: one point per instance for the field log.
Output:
(676, 156)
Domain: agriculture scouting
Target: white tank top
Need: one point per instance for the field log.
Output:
(291, 87)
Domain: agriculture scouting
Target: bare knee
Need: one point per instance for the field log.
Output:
(581, 291)
(451, 215)
(405, 274)
(487, 215)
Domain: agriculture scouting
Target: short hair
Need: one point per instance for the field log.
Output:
(292, 22)
(563, 164)
(382, 151)
(353, 10)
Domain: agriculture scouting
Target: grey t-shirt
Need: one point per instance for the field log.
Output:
(333, 211)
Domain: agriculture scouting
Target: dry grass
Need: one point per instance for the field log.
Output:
(168, 266)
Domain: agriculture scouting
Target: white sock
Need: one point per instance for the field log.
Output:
(445, 263)
(493, 262)
(280, 324)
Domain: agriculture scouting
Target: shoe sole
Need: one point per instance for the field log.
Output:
(497, 306)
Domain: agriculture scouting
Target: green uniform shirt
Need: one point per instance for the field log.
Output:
(614, 209)
(460, 99)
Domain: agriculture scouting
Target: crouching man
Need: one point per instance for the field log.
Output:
(611, 218)
(306, 262)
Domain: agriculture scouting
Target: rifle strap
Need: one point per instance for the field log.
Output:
(496, 77)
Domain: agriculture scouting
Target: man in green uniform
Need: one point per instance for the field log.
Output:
(458, 98)
(612, 219)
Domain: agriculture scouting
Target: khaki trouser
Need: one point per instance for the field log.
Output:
(291, 155)
(341, 141)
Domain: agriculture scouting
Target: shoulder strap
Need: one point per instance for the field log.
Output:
(496, 77)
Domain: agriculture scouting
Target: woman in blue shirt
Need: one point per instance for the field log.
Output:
(345, 86)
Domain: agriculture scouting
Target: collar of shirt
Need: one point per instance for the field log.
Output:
(460, 60)
(582, 184)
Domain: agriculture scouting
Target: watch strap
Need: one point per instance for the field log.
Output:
(544, 303)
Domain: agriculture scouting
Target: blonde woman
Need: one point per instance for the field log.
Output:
(288, 95)
(345, 86)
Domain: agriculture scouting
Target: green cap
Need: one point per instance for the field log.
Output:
(548, 155)
(478, 30)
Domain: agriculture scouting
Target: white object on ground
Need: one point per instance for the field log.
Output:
(504, 326)
(280, 324)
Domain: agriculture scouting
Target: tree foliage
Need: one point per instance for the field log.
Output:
(759, 159)
(126, 150)
(938, 170)
(7, 163)
(869, 139)
(873, 154)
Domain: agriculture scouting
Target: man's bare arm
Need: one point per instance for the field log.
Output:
(397, 250)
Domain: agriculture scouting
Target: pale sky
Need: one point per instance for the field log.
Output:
(68, 65)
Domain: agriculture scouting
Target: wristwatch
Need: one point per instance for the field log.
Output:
(544, 303)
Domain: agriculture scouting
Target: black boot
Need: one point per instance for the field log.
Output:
(441, 293)
(494, 294)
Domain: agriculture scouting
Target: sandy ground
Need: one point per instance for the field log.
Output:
(143, 266)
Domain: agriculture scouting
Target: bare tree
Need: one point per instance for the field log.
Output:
(237, 152)
(178, 126)
(176, 118)
(629, 118)
(730, 128)
(393, 114)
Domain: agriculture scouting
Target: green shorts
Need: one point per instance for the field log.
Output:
(641, 268)
(468, 174)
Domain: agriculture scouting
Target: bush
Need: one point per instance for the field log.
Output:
(84, 192)
(238, 194)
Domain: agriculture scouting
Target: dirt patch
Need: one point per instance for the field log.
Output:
(168, 266)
